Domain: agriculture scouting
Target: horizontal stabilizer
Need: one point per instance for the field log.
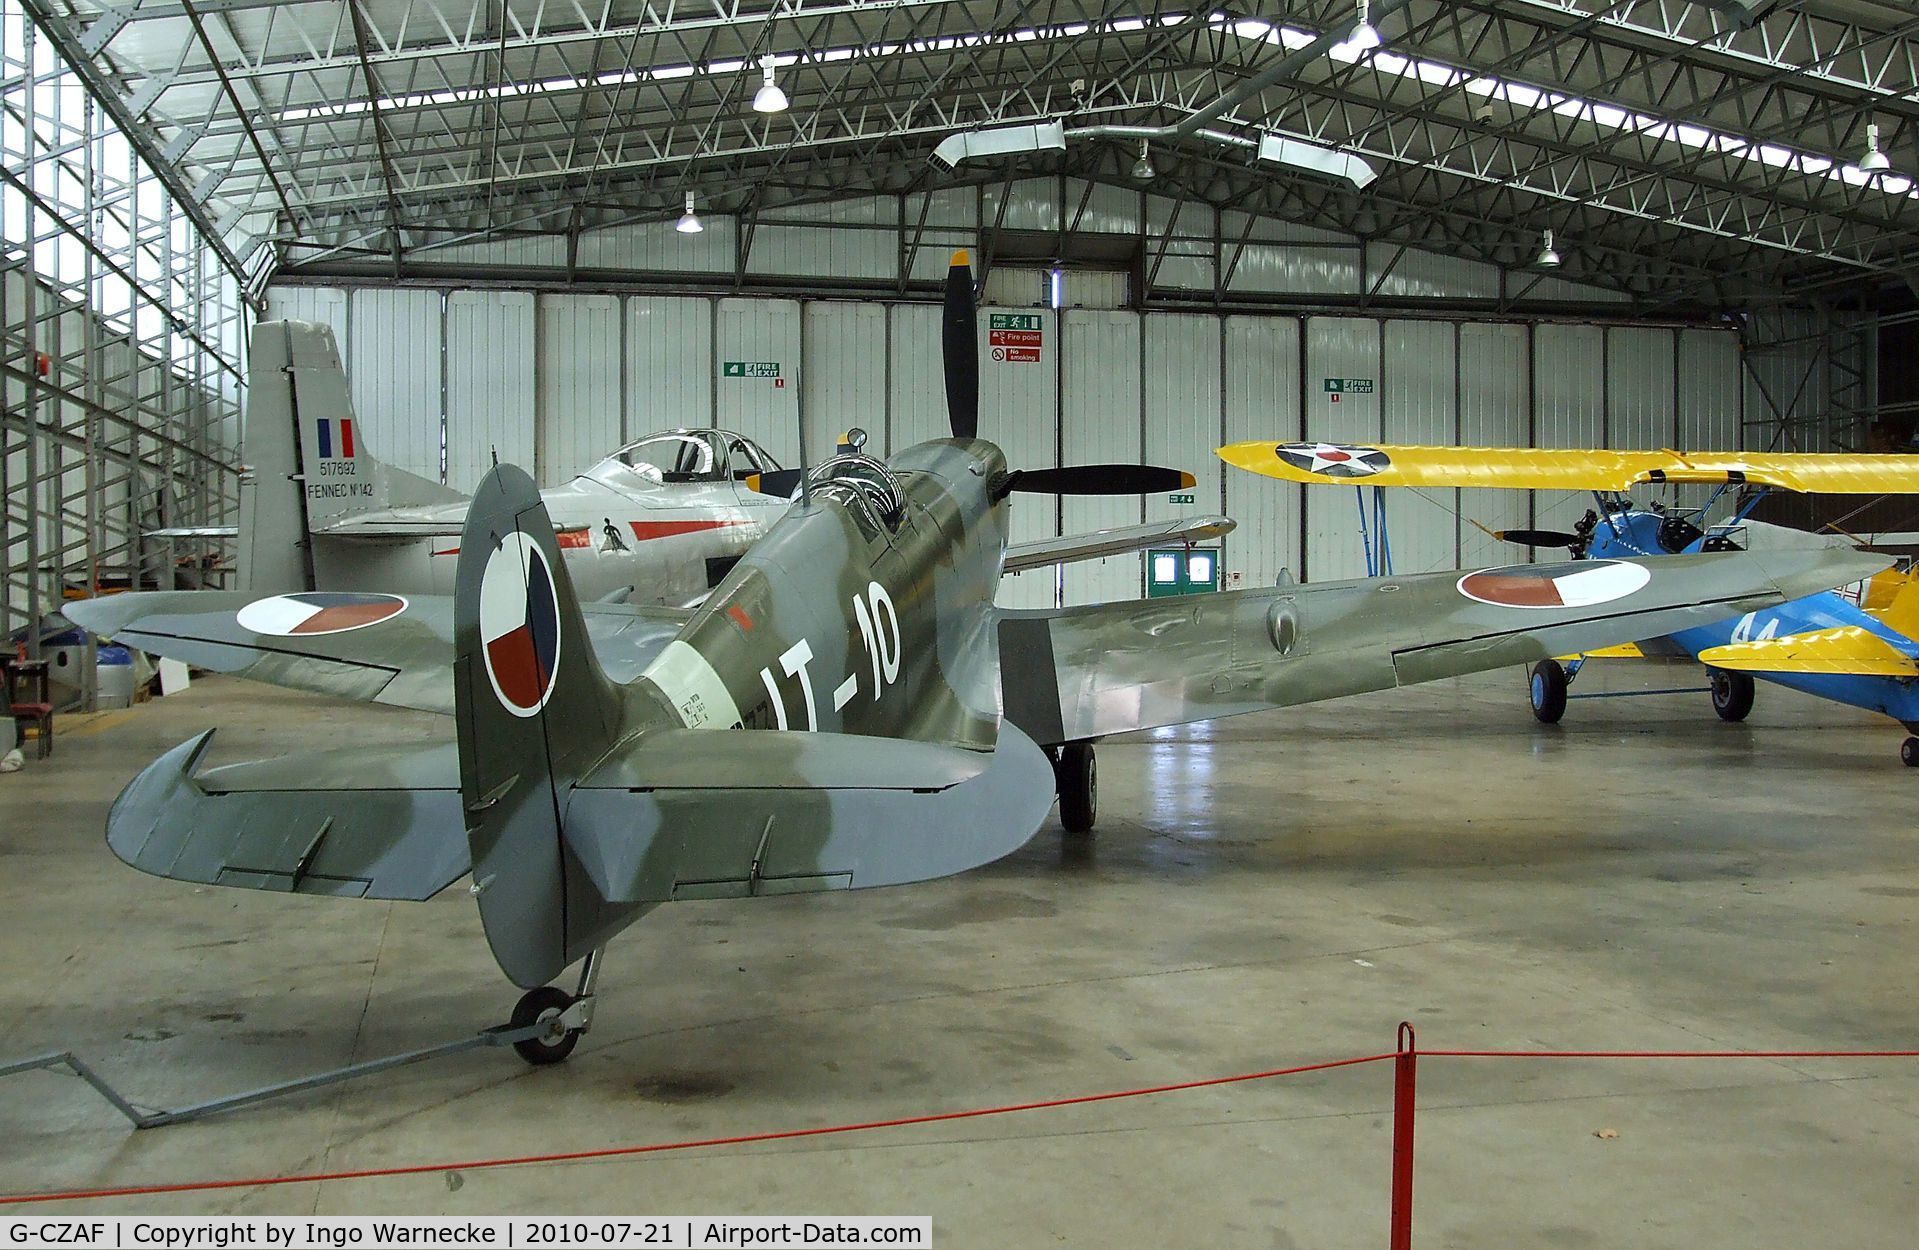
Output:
(1115, 541)
(361, 823)
(1849, 649)
(791, 813)
(1624, 651)
(194, 531)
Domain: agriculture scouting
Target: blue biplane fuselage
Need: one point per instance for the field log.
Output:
(1635, 533)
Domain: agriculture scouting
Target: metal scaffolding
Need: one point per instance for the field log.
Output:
(124, 330)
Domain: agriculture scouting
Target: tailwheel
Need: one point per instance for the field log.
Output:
(1548, 691)
(1731, 694)
(1076, 776)
(1909, 752)
(547, 1007)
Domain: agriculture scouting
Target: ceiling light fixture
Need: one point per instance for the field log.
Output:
(769, 98)
(1143, 170)
(689, 222)
(1548, 258)
(1874, 161)
(1364, 36)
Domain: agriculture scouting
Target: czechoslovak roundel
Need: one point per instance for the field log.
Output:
(520, 625)
(1552, 586)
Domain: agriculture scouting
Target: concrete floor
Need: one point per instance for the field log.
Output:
(1275, 889)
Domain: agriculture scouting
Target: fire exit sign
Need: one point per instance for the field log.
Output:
(1016, 338)
(1349, 386)
(749, 368)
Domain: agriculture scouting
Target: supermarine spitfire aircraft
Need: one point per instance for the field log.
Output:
(1859, 647)
(847, 709)
(660, 521)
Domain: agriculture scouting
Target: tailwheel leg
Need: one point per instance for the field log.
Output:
(560, 1017)
(1076, 777)
(1909, 752)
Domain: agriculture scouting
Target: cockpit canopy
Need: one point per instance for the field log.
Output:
(679, 456)
(864, 483)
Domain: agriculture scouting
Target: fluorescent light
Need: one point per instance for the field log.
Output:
(769, 98)
(1364, 37)
(689, 222)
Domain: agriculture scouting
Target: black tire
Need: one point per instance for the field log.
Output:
(1909, 752)
(1077, 779)
(1548, 691)
(1731, 694)
(534, 1006)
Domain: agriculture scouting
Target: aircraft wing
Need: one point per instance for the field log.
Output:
(1092, 546)
(1848, 649)
(404, 659)
(1081, 673)
(194, 531)
(1521, 468)
(398, 527)
(357, 823)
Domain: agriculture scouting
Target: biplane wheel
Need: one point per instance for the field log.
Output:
(1909, 752)
(1549, 691)
(1731, 694)
(544, 1004)
(1076, 776)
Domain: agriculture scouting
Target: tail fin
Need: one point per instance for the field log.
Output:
(534, 711)
(311, 468)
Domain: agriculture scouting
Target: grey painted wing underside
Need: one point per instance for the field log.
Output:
(404, 661)
(1124, 666)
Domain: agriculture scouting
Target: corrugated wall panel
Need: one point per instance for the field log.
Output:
(669, 364)
(1419, 374)
(1709, 385)
(393, 374)
(1019, 410)
(578, 397)
(1262, 389)
(656, 245)
(1343, 348)
(489, 382)
(1183, 409)
(844, 378)
(1033, 204)
(1108, 209)
(1283, 267)
(1569, 407)
(916, 408)
(761, 331)
(1639, 388)
(856, 250)
(1428, 274)
(1495, 410)
(309, 303)
(1184, 263)
(1100, 424)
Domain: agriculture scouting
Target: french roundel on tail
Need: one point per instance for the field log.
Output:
(520, 625)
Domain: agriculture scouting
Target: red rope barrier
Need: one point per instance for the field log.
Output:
(1669, 1054)
(614, 1152)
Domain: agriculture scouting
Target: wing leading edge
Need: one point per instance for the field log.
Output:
(1082, 673)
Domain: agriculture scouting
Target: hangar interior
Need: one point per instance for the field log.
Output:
(538, 231)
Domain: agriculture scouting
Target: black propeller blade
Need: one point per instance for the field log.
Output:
(779, 483)
(1539, 538)
(1100, 479)
(960, 342)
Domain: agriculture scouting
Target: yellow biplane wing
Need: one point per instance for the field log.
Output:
(1518, 468)
(1848, 649)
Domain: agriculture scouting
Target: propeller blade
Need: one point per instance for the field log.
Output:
(1539, 538)
(1101, 479)
(960, 343)
(780, 483)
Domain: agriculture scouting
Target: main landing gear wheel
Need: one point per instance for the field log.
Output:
(546, 1005)
(1548, 691)
(1909, 752)
(1076, 777)
(1731, 694)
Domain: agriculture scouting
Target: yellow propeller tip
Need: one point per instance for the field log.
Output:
(961, 259)
(1187, 480)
